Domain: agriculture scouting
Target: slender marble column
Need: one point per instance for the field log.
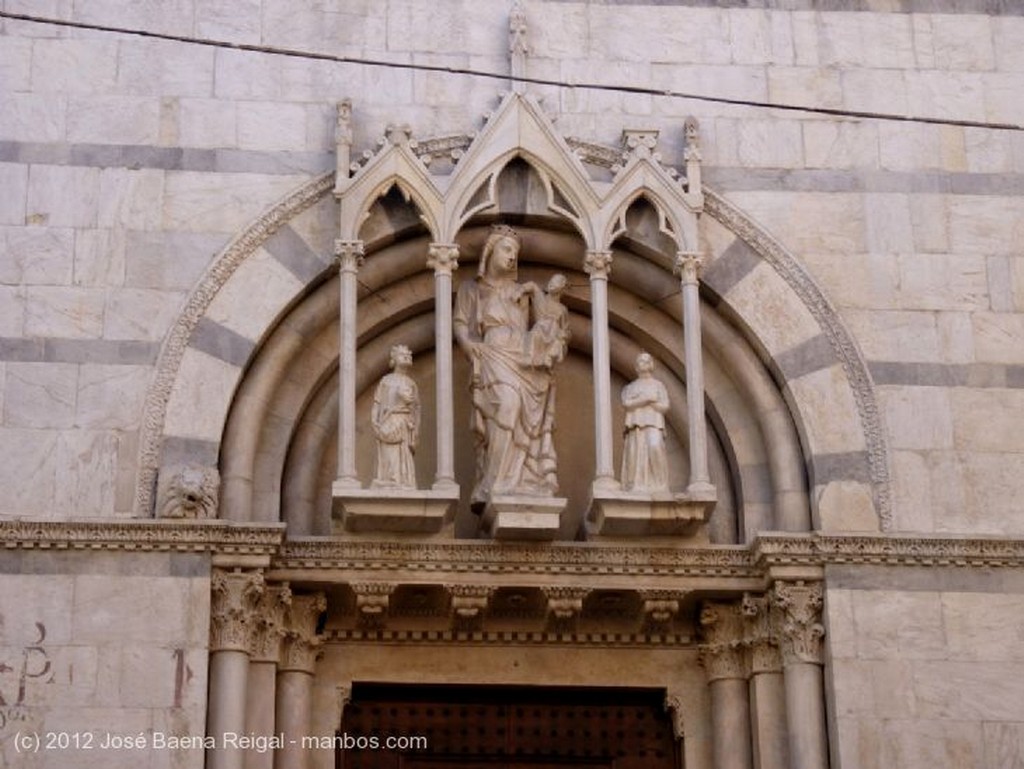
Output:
(233, 599)
(294, 705)
(767, 689)
(350, 257)
(264, 652)
(723, 660)
(598, 265)
(688, 265)
(444, 259)
(800, 634)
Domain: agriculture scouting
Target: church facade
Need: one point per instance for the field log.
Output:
(560, 384)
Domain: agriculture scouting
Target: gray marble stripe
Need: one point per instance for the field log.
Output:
(924, 578)
(124, 352)
(221, 342)
(846, 466)
(115, 564)
(188, 451)
(947, 374)
(295, 254)
(166, 158)
(728, 179)
(987, 7)
(812, 355)
(730, 267)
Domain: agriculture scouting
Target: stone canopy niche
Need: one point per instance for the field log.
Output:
(535, 223)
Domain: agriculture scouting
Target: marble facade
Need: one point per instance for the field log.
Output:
(207, 255)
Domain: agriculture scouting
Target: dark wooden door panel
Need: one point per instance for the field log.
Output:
(510, 728)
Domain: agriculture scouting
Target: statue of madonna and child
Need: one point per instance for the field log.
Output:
(513, 334)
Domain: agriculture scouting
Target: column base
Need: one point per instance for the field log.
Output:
(523, 517)
(410, 511)
(633, 514)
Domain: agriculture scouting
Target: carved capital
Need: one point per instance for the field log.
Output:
(799, 621)
(722, 653)
(372, 602)
(349, 255)
(233, 599)
(443, 258)
(761, 637)
(688, 266)
(269, 623)
(598, 264)
(301, 645)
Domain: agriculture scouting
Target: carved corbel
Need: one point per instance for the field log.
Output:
(469, 605)
(372, 603)
(721, 654)
(660, 609)
(300, 647)
(188, 491)
(233, 597)
(565, 604)
(640, 143)
(799, 621)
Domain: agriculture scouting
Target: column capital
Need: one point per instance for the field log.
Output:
(598, 264)
(688, 266)
(722, 653)
(348, 255)
(443, 258)
(761, 636)
(233, 598)
(269, 623)
(799, 621)
(301, 645)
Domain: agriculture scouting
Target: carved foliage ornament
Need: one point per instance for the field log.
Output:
(234, 596)
(301, 645)
(800, 628)
(269, 625)
(722, 653)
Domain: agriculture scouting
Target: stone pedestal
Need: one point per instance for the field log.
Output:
(629, 514)
(409, 511)
(523, 517)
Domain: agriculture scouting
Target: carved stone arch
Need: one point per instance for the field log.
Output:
(752, 284)
(465, 203)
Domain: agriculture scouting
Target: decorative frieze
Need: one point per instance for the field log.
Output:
(234, 596)
(301, 644)
(799, 624)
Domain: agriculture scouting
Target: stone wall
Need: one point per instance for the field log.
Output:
(101, 649)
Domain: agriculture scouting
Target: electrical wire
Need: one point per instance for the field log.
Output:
(628, 89)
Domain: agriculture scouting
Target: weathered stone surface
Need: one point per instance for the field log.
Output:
(918, 417)
(86, 464)
(36, 255)
(138, 313)
(40, 395)
(28, 475)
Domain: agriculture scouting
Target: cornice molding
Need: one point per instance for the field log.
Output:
(144, 535)
(470, 557)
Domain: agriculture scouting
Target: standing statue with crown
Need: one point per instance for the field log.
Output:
(512, 385)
